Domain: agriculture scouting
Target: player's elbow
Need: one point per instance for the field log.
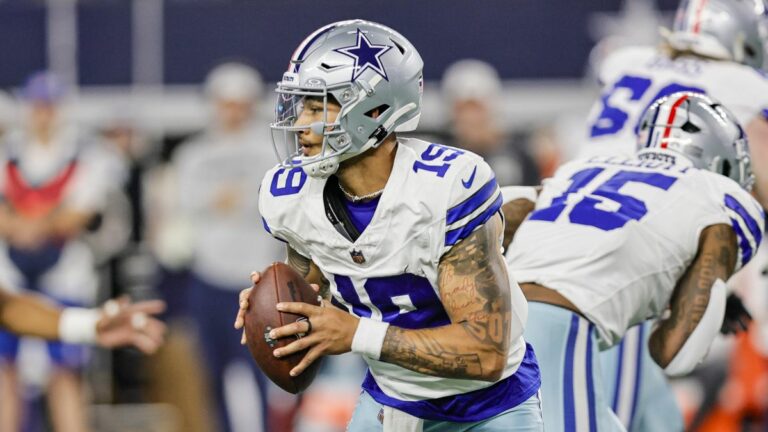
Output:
(661, 355)
(494, 364)
(497, 370)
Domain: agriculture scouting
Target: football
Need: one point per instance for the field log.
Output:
(278, 283)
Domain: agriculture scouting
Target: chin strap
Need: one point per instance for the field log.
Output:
(697, 345)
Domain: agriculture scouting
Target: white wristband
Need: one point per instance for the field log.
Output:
(78, 325)
(369, 337)
(511, 193)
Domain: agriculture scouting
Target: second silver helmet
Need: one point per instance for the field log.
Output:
(724, 29)
(695, 127)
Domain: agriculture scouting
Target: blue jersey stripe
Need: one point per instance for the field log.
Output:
(569, 409)
(473, 406)
(474, 202)
(456, 235)
(590, 383)
(746, 248)
(266, 227)
(749, 221)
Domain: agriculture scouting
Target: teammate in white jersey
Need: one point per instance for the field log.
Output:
(614, 241)
(402, 235)
(716, 47)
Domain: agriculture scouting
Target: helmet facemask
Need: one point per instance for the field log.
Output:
(285, 132)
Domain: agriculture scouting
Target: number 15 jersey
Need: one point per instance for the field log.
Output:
(614, 235)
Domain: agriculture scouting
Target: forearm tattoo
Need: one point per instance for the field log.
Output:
(475, 291)
(422, 351)
(716, 260)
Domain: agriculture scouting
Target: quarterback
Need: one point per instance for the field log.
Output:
(613, 241)
(403, 238)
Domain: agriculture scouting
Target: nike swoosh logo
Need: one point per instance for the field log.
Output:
(468, 182)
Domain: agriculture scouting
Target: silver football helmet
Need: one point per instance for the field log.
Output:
(700, 130)
(732, 30)
(362, 66)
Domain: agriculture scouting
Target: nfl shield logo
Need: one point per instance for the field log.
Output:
(357, 256)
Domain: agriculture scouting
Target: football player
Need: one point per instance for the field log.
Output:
(403, 238)
(614, 241)
(715, 47)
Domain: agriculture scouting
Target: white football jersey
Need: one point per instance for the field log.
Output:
(435, 197)
(614, 235)
(634, 77)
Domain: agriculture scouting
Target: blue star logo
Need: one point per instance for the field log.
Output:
(366, 55)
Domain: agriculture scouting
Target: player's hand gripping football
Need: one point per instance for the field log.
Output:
(124, 323)
(328, 330)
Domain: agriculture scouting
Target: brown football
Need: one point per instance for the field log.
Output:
(278, 283)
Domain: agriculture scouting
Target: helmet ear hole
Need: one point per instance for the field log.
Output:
(690, 127)
(725, 168)
(749, 51)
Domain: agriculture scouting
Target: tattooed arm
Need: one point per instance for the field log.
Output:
(475, 289)
(307, 268)
(716, 259)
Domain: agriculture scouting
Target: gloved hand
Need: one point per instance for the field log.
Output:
(737, 317)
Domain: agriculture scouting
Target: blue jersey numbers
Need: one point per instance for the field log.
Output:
(405, 300)
(605, 208)
(437, 159)
(287, 181)
(629, 89)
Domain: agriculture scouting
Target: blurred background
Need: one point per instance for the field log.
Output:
(160, 108)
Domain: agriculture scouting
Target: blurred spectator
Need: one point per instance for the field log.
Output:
(53, 184)
(176, 375)
(472, 90)
(218, 177)
(8, 113)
